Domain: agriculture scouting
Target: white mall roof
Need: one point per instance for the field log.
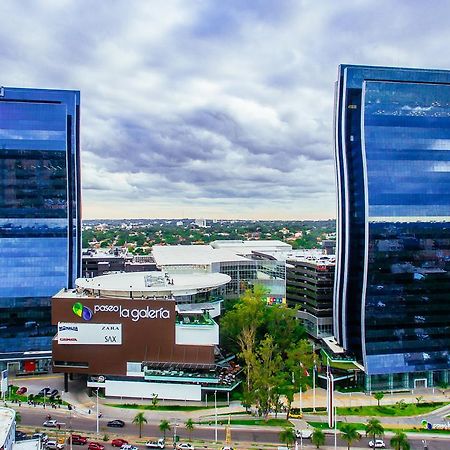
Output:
(260, 245)
(154, 283)
(193, 255)
(7, 417)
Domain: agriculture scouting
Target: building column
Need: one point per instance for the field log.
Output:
(367, 382)
(391, 381)
(430, 381)
(66, 382)
(406, 380)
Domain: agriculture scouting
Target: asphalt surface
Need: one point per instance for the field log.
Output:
(33, 418)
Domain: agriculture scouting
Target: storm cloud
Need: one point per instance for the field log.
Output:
(220, 109)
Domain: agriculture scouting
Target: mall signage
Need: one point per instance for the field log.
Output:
(89, 333)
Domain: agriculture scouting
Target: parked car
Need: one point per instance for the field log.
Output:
(44, 391)
(21, 390)
(379, 443)
(156, 444)
(117, 423)
(79, 440)
(51, 423)
(95, 446)
(129, 447)
(42, 436)
(54, 445)
(21, 436)
(118, 442)
(185, 446)
(53, 393)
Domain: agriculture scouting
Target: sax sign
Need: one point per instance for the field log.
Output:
(89, 333)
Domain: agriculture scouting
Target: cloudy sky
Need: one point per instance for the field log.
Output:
(211, 108)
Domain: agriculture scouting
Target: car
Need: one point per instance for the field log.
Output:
(44, 391)
(117, 423)
(53, 393)
(21, 390)
(78, 440)
(54, 445)
(227, 448)
(129, 447)
(95, 446)
(156, 444)
(118, 442)
(21, 436)
(51, 423)
(42, 436)
(379, 443)
(185, 446)
(306, 433)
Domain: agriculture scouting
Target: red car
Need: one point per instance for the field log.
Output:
(79, 440)
(95, 446)
(21, 391)
(118, 442)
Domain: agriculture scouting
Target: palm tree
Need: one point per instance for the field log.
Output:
(399, 441)
(139, 420)
(164, 426)
(189, 424)
(318, 437)
(287, 436)
(349, 433)
(378, 396)
(374, 428)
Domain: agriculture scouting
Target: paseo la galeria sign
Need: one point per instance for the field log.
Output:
(136, 313)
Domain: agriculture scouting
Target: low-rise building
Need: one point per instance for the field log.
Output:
(143, 334)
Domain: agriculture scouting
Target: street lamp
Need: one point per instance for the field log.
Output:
(215, 414)
(97, 410)
(175, 433)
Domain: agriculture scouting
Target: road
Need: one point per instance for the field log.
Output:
(34, 417)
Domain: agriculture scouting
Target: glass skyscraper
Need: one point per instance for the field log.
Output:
(40, 221)
(392, 286)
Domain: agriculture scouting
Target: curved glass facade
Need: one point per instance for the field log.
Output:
(39, 211)
(393, 153)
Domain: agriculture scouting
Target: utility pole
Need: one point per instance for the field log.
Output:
(215, 413)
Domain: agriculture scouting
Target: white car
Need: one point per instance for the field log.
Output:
(304, 434)
(50, 423)
(379, 443)
(53, 445)
(185, 446)
(156, 444)
(128, 447)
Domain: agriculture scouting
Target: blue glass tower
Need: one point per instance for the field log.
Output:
(39, 215)
(392, 144)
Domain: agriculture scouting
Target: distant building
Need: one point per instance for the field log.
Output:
(201, 223)
(245, 271)
(97, 262)
(309, 286)
(391, 307)
(40, 221)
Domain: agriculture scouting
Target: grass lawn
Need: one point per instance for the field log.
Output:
(255, 421)
(405, 409)
(160, 407)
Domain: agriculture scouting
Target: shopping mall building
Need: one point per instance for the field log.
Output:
(143, 334)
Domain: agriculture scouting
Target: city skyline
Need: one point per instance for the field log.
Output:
(207, 109)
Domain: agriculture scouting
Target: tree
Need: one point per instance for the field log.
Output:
(318, 437)
(18, 417)
(374, 428)
(378, 396)
(287, 436)
(419, 399)
(164, 426)
(155, 400)
(349, 433)
(139, 420)
(189, 424)
(399, 441)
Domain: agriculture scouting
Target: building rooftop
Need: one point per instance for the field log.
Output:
(322, 260)
(27, 444)
(147, 284)
(194, 255)
(7, 417)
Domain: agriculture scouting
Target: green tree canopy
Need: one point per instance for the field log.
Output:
(164, 426)
(349, 433)
(318, 437)
(287, 436)
(400, 441)
(374, 428)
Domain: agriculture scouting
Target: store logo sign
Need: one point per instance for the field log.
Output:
(82, 311)
(135, 314)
